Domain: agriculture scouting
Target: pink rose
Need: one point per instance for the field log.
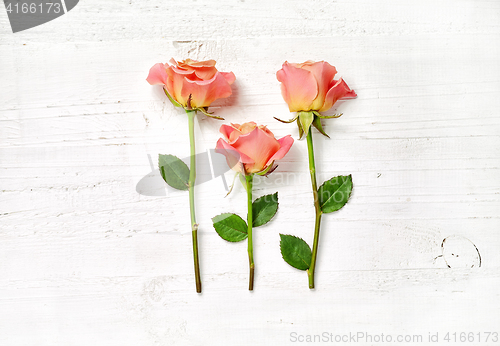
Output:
(193, 84)
(310, 86)
(250, 148)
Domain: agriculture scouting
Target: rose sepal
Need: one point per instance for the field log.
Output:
(174, 102)
(318, 114)
(204, 110)
(288, 121)
(305, 119)
(268, 170)
(317, 124)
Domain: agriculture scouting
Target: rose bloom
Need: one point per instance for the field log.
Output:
(311, 86)
(198, 79)
(250, 148)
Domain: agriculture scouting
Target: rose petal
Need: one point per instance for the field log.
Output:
(229, 76)
(337, 91)
(193, 63)
(157, 74)
(259, 146)
(298, 87)
(235, 159)
(226, 130)
(241, 130)
(205, 73)
(266, 130)
(247, 127)
(203, 93)
(176, 86)
(285, 145)
(203, 70)
(232, 156)
(189, 74)
(323, 72)
(226, 146)
(350, 95)
(301, 65)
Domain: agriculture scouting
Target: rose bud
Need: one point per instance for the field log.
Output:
(192, 84)
(310, 88)
(250, 148)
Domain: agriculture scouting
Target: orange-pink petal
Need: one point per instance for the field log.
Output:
(203, 70)
(235, 159)
(229, 76)
(324, 73)
(203, 93)
(285, 145)
(226, 130)
(259, 146)
(298, 87)
(176, 87)
(247, 127)
(157, 74)
(205, 73)
(339, 90)
(193, 63)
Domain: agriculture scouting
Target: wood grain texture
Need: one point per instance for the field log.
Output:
(85, 259)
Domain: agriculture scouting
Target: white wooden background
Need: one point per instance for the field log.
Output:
(86, 260)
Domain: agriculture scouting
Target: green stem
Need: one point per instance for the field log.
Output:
(192, 179)
(312, 171)
(249, 179)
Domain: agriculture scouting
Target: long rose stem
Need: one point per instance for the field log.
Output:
(192, 179)
(249, 180)
(312, 171)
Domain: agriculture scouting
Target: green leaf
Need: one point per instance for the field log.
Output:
(230, 227)
(295, 251)
(263, 209)
(174, 171)
(335, 193)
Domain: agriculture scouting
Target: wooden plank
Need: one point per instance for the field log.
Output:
(86, 259)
